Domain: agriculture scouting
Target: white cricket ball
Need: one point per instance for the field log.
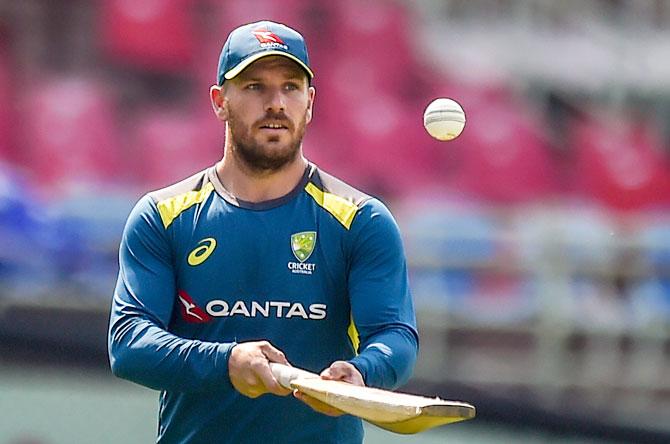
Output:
(444, 119)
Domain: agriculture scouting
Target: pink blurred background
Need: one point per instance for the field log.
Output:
(538, 241)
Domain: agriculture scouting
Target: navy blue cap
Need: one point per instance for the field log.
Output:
(251, 42)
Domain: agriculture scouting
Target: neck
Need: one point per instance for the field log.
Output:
(258, 186)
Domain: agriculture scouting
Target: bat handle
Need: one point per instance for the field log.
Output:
(285, 374)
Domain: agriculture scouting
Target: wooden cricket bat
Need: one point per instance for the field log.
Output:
(393, 411)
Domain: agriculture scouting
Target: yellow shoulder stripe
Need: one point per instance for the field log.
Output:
(353, 335)
(343, 210)
(172, 207)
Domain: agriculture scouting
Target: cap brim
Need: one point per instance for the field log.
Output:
(251, 59)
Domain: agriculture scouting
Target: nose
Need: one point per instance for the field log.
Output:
(276, 102)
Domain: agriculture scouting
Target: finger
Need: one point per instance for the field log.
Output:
(317, 405)
(338, 370)
(263, 372)
(343, 371)
(273, 354)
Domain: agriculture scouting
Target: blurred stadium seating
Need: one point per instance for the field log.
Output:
(538, 242)
(156, 36)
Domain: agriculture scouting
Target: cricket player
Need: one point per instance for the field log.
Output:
(261, 258)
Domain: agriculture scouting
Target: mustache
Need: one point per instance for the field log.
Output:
(275, 118)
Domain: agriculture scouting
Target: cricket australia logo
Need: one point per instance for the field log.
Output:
(302, 246)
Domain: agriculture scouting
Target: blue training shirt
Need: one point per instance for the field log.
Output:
(320, 273)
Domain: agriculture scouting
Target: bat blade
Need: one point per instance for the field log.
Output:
(430, 416)
(393, 411)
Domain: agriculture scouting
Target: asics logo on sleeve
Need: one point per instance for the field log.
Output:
(202, 252)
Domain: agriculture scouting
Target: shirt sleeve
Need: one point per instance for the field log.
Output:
(141, 349)
(381, 303)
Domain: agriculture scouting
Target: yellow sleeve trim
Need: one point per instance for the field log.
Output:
(170, 208)
(343, 210)
(353, 335)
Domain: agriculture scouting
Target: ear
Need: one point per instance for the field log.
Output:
(218, 102)
(310, 107)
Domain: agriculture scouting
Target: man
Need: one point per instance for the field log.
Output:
(261, 258)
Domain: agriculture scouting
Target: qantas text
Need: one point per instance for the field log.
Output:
(266, 309)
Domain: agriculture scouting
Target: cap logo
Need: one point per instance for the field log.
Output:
(268, 39)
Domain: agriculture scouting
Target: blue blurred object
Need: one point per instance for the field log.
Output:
(456, 254)
(451, 236)
(440, 290)
(26, 268)
(575, 236)
(655, 241)
(650, 303)
(444, 243)
(650, 297)
(89, 230)
(66, 249)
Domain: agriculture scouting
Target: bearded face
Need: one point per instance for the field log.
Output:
(257, 145)
(267, 107)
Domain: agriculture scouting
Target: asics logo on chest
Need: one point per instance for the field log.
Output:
(200, 254)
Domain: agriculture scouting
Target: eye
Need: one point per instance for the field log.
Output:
(291, 86)
(253, 86)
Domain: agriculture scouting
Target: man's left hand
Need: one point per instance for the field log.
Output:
(338, 371)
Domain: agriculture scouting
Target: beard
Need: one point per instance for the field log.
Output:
(260, 157)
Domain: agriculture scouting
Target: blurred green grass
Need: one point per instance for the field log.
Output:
(46, 405)
(57, 406)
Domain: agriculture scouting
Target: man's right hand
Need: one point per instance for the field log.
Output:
(249, 369)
